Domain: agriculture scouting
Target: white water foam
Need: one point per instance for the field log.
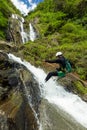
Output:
(24, 35)
(32, 33)
(56, 94)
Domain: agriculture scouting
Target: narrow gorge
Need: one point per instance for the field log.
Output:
(27, 102)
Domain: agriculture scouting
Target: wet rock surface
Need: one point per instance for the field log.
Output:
(75, 85)
(52, 118)
(18, 90)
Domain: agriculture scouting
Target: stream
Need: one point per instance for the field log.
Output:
(58, 104)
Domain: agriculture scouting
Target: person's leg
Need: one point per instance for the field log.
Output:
(54, 73)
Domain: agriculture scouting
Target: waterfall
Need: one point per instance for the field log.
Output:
(14, 16)
(29, 101)
(56, 94)
(12, 57)
(32, 33)
(24, 35)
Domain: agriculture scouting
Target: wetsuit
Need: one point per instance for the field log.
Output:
(61, 61)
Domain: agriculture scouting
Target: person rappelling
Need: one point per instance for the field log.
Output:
(64, 66)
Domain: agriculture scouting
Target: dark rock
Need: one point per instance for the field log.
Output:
(85, 97)
(13, 80)
(18, 90)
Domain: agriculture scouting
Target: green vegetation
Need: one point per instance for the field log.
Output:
(6, 9)
(63, 27)
(80, 88)
(46, 48)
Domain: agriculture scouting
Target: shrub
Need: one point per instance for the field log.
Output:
(69, 27)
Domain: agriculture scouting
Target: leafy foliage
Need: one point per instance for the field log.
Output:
(63, 27)
(46, 6)
(80, 88)
(6, 9)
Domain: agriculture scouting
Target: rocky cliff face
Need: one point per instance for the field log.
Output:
(73, 83)
(16, 111)
(19, 92)
(19, 31)
(16, 32)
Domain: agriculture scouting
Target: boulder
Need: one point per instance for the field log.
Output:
(19, 96)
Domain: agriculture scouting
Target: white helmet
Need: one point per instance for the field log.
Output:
(59, 53)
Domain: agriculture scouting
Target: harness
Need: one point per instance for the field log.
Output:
(68, 69)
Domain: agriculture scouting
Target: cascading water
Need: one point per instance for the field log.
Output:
(27, 93)
(55, 94)
(14, 16)
(29, 101)
(32, 33)
(24, 35)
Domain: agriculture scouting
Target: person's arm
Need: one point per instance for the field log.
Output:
(53, 61)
